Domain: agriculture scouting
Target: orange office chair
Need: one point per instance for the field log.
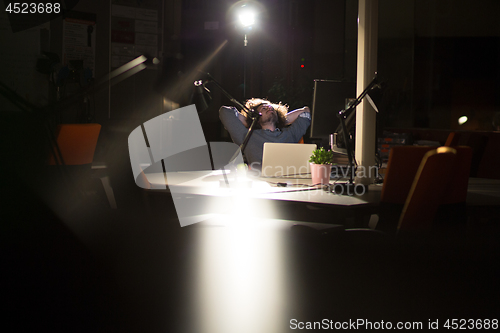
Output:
(402, 168)
(76, 144)
(421, 204)
(426, 192)
(457, 191)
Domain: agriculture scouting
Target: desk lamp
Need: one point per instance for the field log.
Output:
(347, 113)
(202, 99)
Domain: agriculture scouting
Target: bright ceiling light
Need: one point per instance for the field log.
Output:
(247, 17)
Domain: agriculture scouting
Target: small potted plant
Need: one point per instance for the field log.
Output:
(321, 166)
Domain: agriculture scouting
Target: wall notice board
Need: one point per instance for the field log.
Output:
(134, 30)
(79, 39)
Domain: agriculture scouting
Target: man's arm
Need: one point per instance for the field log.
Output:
(293, 115)
(234, 122)
(243, 119)
(300, 121)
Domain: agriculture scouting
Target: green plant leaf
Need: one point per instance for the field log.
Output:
(321, 156)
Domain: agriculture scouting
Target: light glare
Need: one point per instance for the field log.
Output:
(462, 120)
(247, 18)
(241, 275)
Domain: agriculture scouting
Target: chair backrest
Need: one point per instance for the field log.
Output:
(432, 178)
(402, 167)
(77, 143)
(456, 192)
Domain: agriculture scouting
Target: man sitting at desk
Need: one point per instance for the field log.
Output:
(275, 124)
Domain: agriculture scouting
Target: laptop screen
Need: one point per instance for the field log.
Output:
(286, 160)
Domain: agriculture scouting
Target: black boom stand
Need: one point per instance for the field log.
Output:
(254, 115)
(349, 188)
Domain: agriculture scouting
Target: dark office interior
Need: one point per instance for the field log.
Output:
(74, 260)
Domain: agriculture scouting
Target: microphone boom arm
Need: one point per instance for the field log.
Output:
(342, 115)
(251, 113)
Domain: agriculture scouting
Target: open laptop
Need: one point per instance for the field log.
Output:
(286, 160)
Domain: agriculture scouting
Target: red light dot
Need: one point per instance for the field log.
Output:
(302, 66)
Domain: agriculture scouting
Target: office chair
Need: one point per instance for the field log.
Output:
(431, 182)
(456, 193)
(402, 167)
(421, 179)
(76, 145)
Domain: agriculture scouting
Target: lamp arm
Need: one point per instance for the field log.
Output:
(358, 100)
(251, 113)
(346, 113)
(246, 139)
(343, 114)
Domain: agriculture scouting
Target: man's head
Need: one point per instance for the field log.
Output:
(271, 113)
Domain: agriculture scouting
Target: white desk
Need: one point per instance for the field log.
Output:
(211, 190)
(297, 189)
(201, 195)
